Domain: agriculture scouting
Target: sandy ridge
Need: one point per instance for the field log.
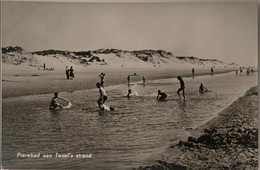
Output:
(229, 141)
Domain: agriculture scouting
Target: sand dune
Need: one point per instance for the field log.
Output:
(110, 58)
(23, 72)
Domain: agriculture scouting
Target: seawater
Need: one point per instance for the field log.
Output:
(122, 139)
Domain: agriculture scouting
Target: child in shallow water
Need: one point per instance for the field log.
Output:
(54, 104)
(182, 88)
(161, 96)
(129, 94)
(202, 89)
(103, 96)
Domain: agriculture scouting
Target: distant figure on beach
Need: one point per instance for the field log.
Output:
(129, 94)
(252, 71)
(202, 89)
(193, 72)
(54, 104)
(161, 96)
(212, 71)
(102, 76)
(128, 79)
(248, 71)
(103, 96)
(71, 73)
(182, 88)
(236, 72)
(67, 71)
(241, 71)
(144, 81)
(44, 67)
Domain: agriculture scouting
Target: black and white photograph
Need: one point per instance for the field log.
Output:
(129, 85)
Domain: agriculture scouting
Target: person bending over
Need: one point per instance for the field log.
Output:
(161, 96)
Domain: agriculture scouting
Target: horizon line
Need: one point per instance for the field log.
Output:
(142, 1)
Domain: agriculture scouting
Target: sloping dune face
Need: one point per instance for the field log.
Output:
(107, 57)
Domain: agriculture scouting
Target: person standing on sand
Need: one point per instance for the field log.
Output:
(103, 96)
(193, 72)
(241, 71)
(182, 88)
(44, 67)
(248, 71)
(144, 81)
(212, 71)
(161, 96)
(54, 104)
(71, 73)
(67, 71)
(128, 79)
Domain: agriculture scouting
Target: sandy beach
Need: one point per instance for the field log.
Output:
(229, 141)
(25, 80)
(43, 72)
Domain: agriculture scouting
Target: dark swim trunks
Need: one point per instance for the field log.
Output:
(181, 88)
(102, 82)
(163, 95)
(182, 85)
(102, 99)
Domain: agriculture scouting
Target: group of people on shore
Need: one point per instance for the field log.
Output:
(193, 72)
(69, 73)
(45, 68)
(249, 71)
(128, 79)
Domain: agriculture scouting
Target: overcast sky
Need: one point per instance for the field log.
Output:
(226, 31)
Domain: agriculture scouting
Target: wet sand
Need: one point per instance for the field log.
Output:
(229, 141)
(32, 82)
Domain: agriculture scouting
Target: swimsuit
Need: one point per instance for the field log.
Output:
(182, 85)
